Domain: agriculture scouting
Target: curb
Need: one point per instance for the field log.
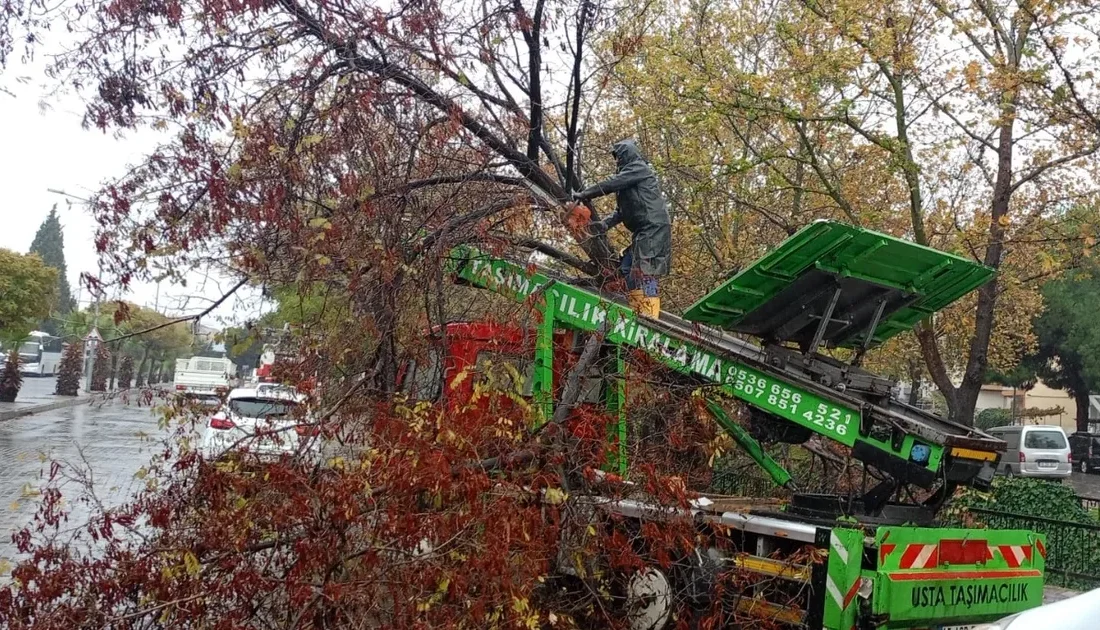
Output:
(33, 409)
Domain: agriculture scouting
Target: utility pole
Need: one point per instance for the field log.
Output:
(91, 344)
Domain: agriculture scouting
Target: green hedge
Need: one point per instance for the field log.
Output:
(989, 418)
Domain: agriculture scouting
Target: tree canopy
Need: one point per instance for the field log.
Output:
(764, 120)
(1068, 354)
(49, 244)
(28, 290)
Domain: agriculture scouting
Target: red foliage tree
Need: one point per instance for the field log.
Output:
(125, 372)
(70, 369)
(102, 368)
(334, 153)
(10, 378)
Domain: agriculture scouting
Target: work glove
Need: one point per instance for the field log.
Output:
(596, 228)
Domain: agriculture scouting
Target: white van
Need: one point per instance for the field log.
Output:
(1040, 450)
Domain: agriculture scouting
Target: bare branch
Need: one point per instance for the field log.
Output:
(180, 320)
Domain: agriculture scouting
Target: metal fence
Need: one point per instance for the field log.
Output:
(1073, 549)
(740, 484)
(1091, 505)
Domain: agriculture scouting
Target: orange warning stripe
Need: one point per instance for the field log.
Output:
(964, 575)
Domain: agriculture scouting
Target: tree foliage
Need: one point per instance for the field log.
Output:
(994, 417)
(125, 372)
(49, 244)
(101, 370)
(1068, 354)
(27, 291)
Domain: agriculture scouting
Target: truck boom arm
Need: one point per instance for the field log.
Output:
(909, 444)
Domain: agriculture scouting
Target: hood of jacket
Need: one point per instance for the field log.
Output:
(625, 152)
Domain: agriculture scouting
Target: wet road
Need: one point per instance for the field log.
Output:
(111, 441)
(35, 386)
(1086, 485)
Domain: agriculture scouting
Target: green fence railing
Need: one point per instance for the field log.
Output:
(1073, 549)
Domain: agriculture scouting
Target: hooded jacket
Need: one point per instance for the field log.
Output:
(640, 206)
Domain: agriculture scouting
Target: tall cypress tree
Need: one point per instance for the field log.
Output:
(49, 244)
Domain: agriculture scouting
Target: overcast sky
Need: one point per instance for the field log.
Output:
(45, 147)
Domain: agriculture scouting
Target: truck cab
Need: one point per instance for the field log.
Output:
(204, 377)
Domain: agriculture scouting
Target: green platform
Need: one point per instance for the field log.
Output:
(783, 295)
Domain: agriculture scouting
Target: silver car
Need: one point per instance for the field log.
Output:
(1080, 612)
(1040, 450)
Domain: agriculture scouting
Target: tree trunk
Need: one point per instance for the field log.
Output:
(1082, 400)
(914, 382)
(114, 367)
(139, 373)
(967, 395)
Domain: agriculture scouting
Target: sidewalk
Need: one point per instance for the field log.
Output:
(30, 404)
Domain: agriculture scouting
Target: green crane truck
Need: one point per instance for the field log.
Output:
(880, 562)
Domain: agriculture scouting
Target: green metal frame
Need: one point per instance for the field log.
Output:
(543, 378)
(566, 306)
(615, 395)
(749, 444)
(796, 278)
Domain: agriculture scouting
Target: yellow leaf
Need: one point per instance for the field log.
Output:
(555, 496)
(191, 563)
(1003, 221)
(320, 222)
(311, 140)
(972, 72)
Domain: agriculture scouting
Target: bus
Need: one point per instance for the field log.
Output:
(39, 354)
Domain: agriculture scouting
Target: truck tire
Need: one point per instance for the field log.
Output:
(648, 600)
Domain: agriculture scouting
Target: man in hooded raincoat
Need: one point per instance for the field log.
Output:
(641, 207)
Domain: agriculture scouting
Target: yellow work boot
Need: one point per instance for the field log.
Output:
(635, 298)
(652, 307)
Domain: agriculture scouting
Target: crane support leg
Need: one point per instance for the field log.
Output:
(748, 444)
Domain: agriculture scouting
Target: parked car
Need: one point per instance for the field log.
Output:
(1079, 612)
(1035, 451)
(1086, 451)
(263, 422)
